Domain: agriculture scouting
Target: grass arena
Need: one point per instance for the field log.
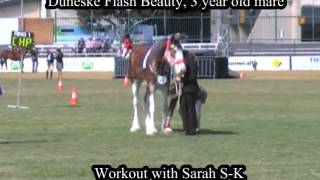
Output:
(268, 122)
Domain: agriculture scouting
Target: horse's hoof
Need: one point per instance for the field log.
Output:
(152, 132)
(197, 130)
(167, 131)
(134, 129)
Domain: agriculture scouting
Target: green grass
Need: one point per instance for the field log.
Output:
(271, 126)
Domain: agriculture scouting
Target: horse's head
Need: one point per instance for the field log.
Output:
(174, 54)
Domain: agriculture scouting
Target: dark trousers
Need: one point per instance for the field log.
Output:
(188, 112)
(34, 65)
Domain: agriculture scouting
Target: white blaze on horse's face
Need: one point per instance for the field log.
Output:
(179, 65)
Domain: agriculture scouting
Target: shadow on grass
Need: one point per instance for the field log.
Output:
(211, 132)
(27, 142)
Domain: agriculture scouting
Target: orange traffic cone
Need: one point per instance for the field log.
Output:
(74, 98)
(241, 76)
(125, 81)
(60, 85)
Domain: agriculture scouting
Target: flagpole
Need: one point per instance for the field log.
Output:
(17, 106)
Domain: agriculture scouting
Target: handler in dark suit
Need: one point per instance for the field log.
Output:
(189, 96)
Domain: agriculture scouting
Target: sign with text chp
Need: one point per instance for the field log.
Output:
(264, 63)
(21, 39)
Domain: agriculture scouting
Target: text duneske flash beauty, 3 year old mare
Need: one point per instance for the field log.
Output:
(153, 64)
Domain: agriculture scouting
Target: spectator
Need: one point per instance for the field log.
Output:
(254, 65)
(126, 46)
(59, 65)
(96, 44)
(50, 59)
(105, 45)
(34, 58)
(81, 45)
(89, 45)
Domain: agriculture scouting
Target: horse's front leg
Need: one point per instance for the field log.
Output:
(5, 61)
(135, 92)
(150, 127)
(165, 124)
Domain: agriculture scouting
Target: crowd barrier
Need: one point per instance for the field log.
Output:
(208, 67)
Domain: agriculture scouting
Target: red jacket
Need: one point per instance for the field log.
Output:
(127, 43)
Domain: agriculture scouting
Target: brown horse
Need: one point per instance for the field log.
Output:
(12, 54)
(154, 64)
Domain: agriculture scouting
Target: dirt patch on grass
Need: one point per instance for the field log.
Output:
(282, 75)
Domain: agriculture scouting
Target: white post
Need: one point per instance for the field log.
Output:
(17, 106)
(43, 10)
(21, 8)
(19, 81)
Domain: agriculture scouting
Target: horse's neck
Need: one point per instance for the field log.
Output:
(160, 62)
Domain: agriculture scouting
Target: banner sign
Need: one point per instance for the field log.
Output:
(81, 64)
(21, 39)
(264, 63)
(305, 62)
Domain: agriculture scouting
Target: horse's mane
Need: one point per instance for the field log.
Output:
(158, 49)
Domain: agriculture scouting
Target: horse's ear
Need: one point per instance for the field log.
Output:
(178, 36)
(172, 38)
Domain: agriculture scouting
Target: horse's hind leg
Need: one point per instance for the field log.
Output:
(6, 63)
(135, 92)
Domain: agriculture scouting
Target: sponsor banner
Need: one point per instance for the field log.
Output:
(264, 63)
(81, 64)
(305, 62)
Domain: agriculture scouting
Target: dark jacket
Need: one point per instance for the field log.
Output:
(190, 83)
(59, 57)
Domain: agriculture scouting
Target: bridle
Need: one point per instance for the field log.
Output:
(168, 55)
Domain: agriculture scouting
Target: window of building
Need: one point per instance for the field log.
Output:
(310, 30)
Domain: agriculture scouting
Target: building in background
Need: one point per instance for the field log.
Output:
(25, 8)
(298, 22)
